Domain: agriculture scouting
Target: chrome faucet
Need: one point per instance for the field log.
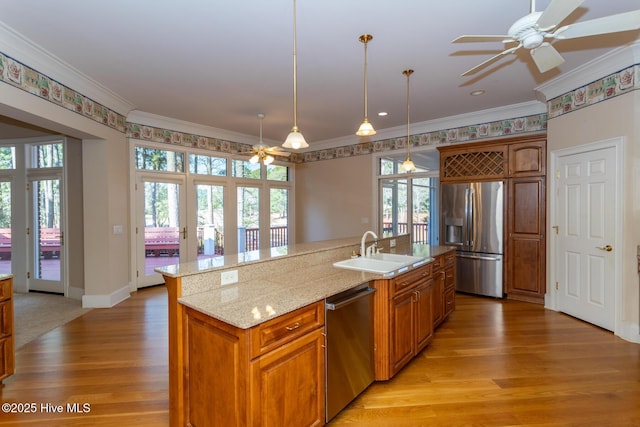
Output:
(367, 251)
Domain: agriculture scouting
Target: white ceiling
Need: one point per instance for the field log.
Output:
(221, 62)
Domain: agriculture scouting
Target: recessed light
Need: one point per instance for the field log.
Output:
(382, 113)
(477, 92)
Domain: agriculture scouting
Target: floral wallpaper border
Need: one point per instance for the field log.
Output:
(19, 75)
(618, 83)
(520, 125)
(23, 77)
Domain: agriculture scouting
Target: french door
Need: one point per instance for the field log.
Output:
(161, 229)
(46, 234)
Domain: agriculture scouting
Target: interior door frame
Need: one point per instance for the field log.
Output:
(551, 297)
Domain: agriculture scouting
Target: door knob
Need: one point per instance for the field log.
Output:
(607, 248)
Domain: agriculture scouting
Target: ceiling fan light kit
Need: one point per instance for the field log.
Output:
(366, 128)
(533, 30)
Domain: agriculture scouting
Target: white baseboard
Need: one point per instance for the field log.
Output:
(106, 301)
(629, 332)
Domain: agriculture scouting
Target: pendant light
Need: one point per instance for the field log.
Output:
(295, 139)
(407, 165)
(366, 128)
(260, 148)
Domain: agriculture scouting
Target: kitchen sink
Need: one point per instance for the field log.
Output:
(385, 264)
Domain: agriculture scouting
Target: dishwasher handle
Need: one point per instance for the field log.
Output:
(351, 298)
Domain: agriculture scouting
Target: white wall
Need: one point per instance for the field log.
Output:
(105, 176)
(334, 198)
(616, 117)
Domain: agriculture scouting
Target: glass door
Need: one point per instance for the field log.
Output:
(5, 227)
(46, 235)
(210, 220)
(161, 232)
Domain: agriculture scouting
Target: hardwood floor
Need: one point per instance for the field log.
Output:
(492, 363)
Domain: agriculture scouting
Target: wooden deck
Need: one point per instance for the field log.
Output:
(492, 363)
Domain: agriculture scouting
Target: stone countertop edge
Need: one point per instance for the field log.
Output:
(249, 303)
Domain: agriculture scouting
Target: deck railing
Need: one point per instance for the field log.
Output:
(420, 232)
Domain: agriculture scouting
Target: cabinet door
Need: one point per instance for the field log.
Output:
(527, 159)
(526, 242)
(437, 313)
(423, 316)
(288, 384)
(402, 331)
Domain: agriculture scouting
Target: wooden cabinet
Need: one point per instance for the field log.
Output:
(526, 239)
(271, 374)
(6, 328)
(527, 159)
(444, 287)
(524, 174)
(403, 324)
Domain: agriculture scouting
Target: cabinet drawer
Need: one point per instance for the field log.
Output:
(407, 280)
(285, 328)
(5, 289)
(449, 258)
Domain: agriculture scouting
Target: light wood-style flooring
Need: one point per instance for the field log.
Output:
(492, 363)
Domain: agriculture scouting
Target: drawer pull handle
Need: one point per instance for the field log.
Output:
(293, 327)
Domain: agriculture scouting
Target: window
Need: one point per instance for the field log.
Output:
(47, 155)
(207, 165)
(279, 217)
(7, 158)
(245, 169)
(277, 173)
(408, 202)
(159, 160)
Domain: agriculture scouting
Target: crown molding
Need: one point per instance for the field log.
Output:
(609, 63)
(36, 57)
(477, 117)
(162, 122)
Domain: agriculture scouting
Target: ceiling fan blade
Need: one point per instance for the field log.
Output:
(487, 38)
(277, 151)
(556, 12)
(546, 57)
(490, 60)
(608, 24)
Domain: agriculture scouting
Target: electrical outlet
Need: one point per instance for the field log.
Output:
(228, 277)
(392, 243)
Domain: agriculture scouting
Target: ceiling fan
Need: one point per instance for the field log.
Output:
(264, 153)
(533, 30)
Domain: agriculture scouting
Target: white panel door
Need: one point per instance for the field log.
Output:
(587, 219)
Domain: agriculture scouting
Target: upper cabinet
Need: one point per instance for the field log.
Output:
(527, 159)
(493, 160)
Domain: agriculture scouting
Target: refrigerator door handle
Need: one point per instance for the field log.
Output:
(466, 217)
(480, 257)
(472, 231)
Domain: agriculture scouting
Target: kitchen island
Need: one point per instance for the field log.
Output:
(251, 352)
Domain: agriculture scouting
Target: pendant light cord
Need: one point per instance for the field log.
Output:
(295, 71)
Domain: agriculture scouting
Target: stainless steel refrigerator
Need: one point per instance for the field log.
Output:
(472, 219)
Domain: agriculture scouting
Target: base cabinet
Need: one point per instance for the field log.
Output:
(403, 324)
(269, 375)
(6, 328)
(444, 288)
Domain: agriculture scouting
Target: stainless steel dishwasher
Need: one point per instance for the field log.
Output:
(349, 349)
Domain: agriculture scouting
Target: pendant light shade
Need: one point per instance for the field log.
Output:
(408, 165)
(295, 140)
(366, 128)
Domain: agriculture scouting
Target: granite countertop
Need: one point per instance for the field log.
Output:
(233, 260)
(248, 303)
